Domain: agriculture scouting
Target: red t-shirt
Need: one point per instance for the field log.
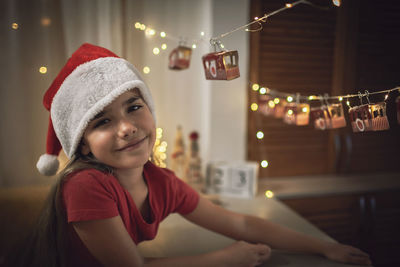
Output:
(92, 195)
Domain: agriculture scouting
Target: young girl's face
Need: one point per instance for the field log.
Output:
(122, 136)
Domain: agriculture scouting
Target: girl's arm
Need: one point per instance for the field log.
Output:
(256, 230)
(109, 242)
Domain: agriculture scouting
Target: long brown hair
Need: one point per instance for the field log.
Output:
(46, 245)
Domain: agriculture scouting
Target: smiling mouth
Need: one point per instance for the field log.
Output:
(132, 145)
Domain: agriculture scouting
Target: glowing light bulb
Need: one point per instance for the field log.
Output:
(277, 100)
(45, 21)
(194, 46)
(202, 33)
(269, 194)
(386, 97)
(312, 97)
(143, 27)
(255, 87)
(340, 99)
(260, 135)
(289, 99)
(255, 18)
(254, 107)
(146, 70)
(163, 46)
(271, 104)
(15, 26)
(150, 32)
(163, 34)
(264, 164)
(156, 51)
(288, 5)
(43, 70)
(348, 103)
(263, 91)
(290, 112)
(304, 109)
(336, 2)
(138, 25)
(222, 45)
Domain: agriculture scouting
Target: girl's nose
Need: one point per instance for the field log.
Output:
(126, 128)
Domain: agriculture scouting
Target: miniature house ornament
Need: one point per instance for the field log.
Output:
(223, 65)
(296, 113)
(368, 117)
(179, 58)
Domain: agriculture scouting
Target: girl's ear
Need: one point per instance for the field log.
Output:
(85, 149)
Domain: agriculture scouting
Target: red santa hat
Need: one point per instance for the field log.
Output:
(90, 80)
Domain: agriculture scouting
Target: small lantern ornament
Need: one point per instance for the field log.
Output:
(297, 113)
(266, 105)
(221, 65)
(179, 58)
(369, 117)
(279, 107)
(321, 118)
(337, 115)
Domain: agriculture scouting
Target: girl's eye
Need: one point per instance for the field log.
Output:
(134, 107)
(101, 123)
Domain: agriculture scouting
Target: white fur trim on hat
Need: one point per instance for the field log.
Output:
(48, 164)
(87, 91)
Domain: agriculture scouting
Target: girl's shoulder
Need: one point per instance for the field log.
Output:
(90, 176)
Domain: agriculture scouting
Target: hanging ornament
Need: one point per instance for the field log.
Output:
(368, 117)
(179, 58)
(320, 117)
(398, 109)
(328, 116)
(266, 105)
(279, 108)
(221, 65)
(296, 113)
(336, 114)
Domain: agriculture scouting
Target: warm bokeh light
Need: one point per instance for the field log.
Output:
(260, 135)
(289, 99)
(15, 26)
(45, 21)
(146, 70)
(263, 91)
(255, 87)
(264, 164)
(254, 107)
(163, 34)
(150, 32)
(138, 25)
(336, 2)
(269, 194)
(43, 70)
(277, 100)
(271, 104)
(312, 97)
(164, 46)
(290, 112)
(288, 5)
(340, 99)
(156, 51)
(143, 27)
(304, 109)
(202, 33)
(194, 46)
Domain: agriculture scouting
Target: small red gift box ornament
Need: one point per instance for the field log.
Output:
(336, 114)
(321, 118)
(380, 121)
(221, 65)
(369, 117)
(179, 58)
(296, 113)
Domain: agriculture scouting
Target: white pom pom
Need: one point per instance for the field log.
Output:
(47, 164)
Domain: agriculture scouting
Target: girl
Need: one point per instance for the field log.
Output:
(110, 197)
